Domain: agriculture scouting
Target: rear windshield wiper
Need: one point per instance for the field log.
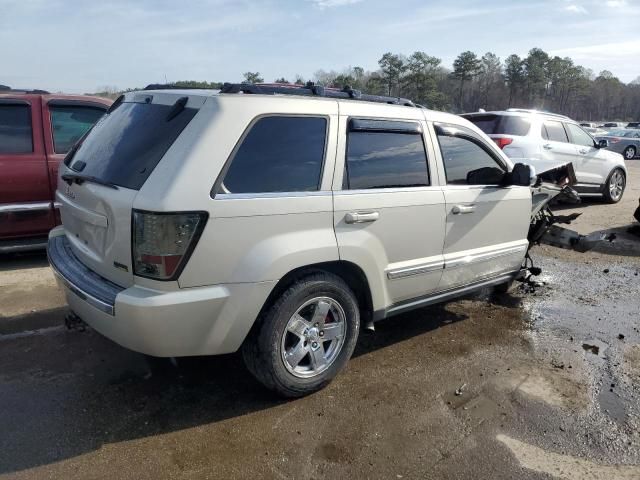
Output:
(80, 179)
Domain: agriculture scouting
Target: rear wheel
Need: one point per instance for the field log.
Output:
(306, 337)
(629, 152)
(614, 188)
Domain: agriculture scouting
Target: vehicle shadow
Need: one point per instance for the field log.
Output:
(19, 261)
(90, 392)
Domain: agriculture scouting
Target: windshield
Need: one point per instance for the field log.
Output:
(125, 146)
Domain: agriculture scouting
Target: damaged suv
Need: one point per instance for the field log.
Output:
(279, 220)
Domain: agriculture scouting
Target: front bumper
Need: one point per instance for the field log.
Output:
(192, 321)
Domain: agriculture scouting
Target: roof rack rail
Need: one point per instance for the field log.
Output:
(7, 89)
(311, 90)
(542, 112)
(171, 86)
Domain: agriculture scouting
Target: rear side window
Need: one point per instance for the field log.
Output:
(278, 154)
(126, 145)
(70, 123)
(466, 162)
(501, 124)
(15, 129)
(554, 131)
(379, 159)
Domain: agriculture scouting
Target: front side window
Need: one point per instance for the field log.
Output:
(579, 136)
(70, 123)
(15, 129)
(466, 162)
(385, 159)
(554, 131)
(278, 154)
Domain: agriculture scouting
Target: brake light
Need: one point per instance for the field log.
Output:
(162, 242)
(503, 142)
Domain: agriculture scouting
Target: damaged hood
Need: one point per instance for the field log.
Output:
(551, 183)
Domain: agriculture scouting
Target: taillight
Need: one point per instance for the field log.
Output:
(503, 142)
(163, 242)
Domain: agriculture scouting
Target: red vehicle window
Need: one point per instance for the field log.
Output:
(15, 129)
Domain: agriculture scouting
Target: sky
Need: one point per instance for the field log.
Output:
(81, 46)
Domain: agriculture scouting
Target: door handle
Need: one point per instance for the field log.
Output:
(463, 209)
(361, 217)
(546, 146)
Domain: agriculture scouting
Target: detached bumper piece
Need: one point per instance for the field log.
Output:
(88, 285)
(565, 238)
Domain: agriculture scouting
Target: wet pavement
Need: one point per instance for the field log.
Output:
(539, 383)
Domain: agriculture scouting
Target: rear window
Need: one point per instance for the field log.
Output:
(15, 129)
(501, 124)
(125, 146)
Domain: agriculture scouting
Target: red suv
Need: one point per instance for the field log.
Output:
(37, 129)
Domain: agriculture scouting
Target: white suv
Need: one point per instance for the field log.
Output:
(545, 140)
(278, 220)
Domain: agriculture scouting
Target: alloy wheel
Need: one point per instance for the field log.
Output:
(616, 185)
(313, 337)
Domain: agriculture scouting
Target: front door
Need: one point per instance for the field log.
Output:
(589, 162)
(486, 224)
(25, 195)
(388, 217)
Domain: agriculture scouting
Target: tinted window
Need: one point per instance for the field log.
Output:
(279, 154)
(70, 123)
(385, 160)
(15, 129)
(501, 124)
(466, 162)
(554, 131)
(126, 145)
(579, 136)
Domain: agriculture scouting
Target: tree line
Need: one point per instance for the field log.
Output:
(539, 81)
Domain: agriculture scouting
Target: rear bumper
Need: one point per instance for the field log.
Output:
(193, 321)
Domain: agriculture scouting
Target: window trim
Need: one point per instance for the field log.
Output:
(216, 191)
(563, 127)
(21, 103)
(473, 138)
(417, 130)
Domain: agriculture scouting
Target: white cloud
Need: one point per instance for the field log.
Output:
(334, 3)
(616, 3)
(573, 8)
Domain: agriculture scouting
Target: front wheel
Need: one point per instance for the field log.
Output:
(629, 152)
(306, 337)
(614, 188)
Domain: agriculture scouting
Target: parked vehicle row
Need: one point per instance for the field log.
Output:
(545, 140)
(624, 141)
(37, 130)
(281, 224)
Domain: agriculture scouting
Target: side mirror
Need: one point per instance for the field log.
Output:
(603, 143)
(522, 175)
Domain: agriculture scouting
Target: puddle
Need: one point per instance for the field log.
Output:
(565, 466)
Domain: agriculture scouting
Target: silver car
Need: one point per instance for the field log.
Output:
(278, 220)
(624, 141)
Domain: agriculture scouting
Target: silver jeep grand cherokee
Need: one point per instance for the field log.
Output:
(279, 220)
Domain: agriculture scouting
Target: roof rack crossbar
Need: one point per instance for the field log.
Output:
(310, 90)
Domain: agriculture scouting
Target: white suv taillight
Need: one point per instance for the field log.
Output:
(163, 242)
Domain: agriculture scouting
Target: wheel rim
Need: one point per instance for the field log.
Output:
(629, 153)
(313, 337)
(616, 185)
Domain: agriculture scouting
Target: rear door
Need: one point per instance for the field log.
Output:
(25, 195)
(486, 224)
(64, 123)
(120, 153)
(389, 212)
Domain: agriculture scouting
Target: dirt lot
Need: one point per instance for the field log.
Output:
(536, 384)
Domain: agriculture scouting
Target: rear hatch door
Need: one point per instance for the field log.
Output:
(101, 177)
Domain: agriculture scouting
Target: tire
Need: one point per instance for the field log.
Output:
(613, 193)
(629, 153)
(278, 336)
(503, 288)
